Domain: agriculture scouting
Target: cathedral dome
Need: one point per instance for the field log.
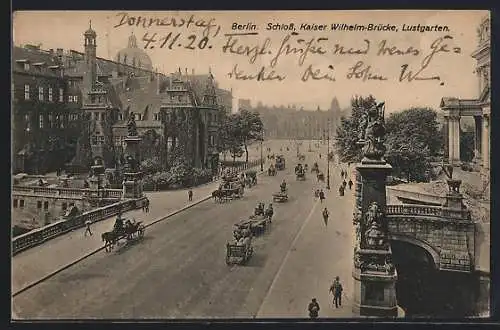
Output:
(134, 56)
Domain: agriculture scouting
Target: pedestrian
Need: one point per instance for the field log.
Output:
(313, 309)
(336, 289)
(344, 184)
(341, 190)
(341, 174)
(321, 195)
(190, 195)
(350, 184)
(147, 205)
(325, 216)
(87, 229)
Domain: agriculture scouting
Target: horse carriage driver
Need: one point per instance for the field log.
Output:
(283, 186)
(259, 209)
(118, 227)
(246, 239)
(269, 212)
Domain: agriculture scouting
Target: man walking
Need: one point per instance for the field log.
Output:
(336, 289)
(87, 229)
(325, 216)
(350, 184)
(147, 205)
(190, 195)
(321, 195)
(313, 309)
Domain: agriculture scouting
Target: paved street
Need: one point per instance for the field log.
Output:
(37, 262)
(179, 269)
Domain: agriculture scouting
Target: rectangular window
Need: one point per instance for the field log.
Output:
(39, 204)
(50, 94)
(21, 203)
(40, 121)
(50, 120)
(94, 140)
(120, 116)
(40, 93)
(155, 116)
(26, 92)
(26, 66)
(75, 98)
(61, 95)
(96, 115)
(70, 98)
(63, 119)
(45, 205)
(102, 116)
(15, 203)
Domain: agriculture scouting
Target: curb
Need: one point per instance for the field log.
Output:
(57, 271)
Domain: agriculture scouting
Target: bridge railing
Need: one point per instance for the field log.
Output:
(65, 191)
(425, 210)
(40, 235)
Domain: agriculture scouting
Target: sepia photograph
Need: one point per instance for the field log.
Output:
(250, 165)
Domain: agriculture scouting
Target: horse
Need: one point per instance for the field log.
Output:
(269, 214)
(109, 238)
(217, 195)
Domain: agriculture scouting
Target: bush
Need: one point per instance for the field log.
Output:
(179, 176)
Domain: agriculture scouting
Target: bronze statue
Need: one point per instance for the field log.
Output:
(131, 125)
(372, 132)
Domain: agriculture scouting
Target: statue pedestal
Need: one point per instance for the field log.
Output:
(132, 185)
(454, 199)
(374, 273)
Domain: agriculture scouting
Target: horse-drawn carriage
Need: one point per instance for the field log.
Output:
(251, 178)
(280, 163)
(271, 171)
(131, 230)
(300, 172)
(228, 190)
(281, 196)
(240, 250)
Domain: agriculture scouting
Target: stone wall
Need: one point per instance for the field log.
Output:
(450, 242)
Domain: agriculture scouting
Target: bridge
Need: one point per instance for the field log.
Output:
(179, 270)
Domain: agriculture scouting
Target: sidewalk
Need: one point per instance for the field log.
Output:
(317, 255)
(37, 262)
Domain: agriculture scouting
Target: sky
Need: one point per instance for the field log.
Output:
(64, 29)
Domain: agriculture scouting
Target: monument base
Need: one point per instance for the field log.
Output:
(132, 186)
(374, 294)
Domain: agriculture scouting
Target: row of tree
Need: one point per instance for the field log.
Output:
(238, 131)
(413, 139)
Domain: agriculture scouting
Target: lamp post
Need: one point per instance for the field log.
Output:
(328, 157)
(261, 156)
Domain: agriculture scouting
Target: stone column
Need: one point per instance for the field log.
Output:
(454, 140)
(478, 139)
(486, 141)
(446, 133)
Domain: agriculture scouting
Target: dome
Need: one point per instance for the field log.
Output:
(90, 32)
(134, 56)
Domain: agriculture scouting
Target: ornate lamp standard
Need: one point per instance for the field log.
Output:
(261, 156)
(328, 156)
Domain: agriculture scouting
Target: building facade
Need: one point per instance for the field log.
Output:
(455, 108)
(82, 102)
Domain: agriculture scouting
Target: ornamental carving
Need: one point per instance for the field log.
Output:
(483, 31)
(131, 125)
(375, 236)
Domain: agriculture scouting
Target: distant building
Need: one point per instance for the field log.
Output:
(292, 123)
(244, 104)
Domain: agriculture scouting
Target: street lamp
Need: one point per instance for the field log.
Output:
(261, 156)
(328, 157)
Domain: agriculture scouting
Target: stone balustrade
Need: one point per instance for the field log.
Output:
(40, 235)
(46, 191)
(425, 210)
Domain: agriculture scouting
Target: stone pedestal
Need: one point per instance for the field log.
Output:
(374, 273)
(132, 183)
(454, 199)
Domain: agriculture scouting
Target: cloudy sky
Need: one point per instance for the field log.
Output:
(455, 68)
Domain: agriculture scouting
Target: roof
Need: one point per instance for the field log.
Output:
(454, 102)
(32, 56)
(141, 96)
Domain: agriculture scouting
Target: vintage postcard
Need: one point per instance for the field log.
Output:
(250, 165)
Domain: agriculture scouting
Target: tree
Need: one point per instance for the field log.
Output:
(348, 131)
(250, 128)
(413, 138)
